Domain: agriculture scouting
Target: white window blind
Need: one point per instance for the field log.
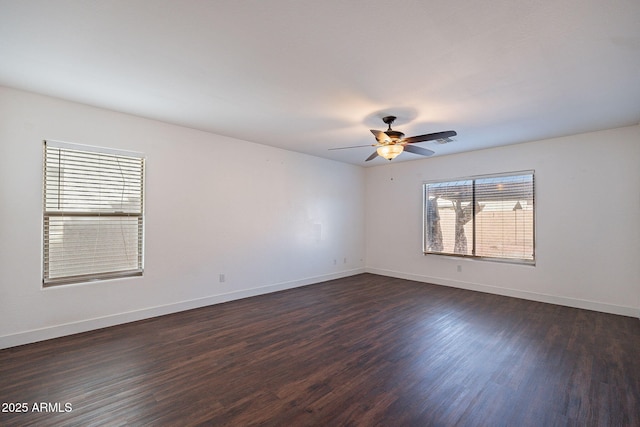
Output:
(488, 217)
(93, 214)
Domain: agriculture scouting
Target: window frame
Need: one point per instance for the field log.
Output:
(92, 214)
(473, 178)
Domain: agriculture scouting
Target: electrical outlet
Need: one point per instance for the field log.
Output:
(222, 278)
(459, 268)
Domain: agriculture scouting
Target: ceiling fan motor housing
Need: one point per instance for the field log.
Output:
(394, 135)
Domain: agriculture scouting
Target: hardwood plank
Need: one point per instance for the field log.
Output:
(364, 350)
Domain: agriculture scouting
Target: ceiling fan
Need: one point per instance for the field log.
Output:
(391, 143)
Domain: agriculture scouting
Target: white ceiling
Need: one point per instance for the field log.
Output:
(309, 75)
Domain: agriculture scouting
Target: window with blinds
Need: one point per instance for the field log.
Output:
(93, 220)
(484, 217)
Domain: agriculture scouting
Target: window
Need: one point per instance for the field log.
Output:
(93, 218)
(484, 217)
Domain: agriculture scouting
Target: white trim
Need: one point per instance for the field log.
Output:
(92, 148)
(57, 331)
(489, 175)
(515, 293)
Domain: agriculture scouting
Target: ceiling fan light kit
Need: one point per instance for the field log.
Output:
(390, 152)
(391, 143)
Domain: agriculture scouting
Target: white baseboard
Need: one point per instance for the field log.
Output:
(57, 331)
(533, 296)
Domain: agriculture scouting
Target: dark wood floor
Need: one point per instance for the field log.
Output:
(365, 350)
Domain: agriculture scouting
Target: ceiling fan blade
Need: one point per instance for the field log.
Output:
(418, 150)
(430, 137)
(372, 156)
(353, 146)
(380, 136)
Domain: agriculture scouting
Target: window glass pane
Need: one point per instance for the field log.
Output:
(504, 221)
(92, 182)
(448, 218)
(91, 245)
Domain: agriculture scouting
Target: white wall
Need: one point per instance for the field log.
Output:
(266, 218)
(587, 221)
